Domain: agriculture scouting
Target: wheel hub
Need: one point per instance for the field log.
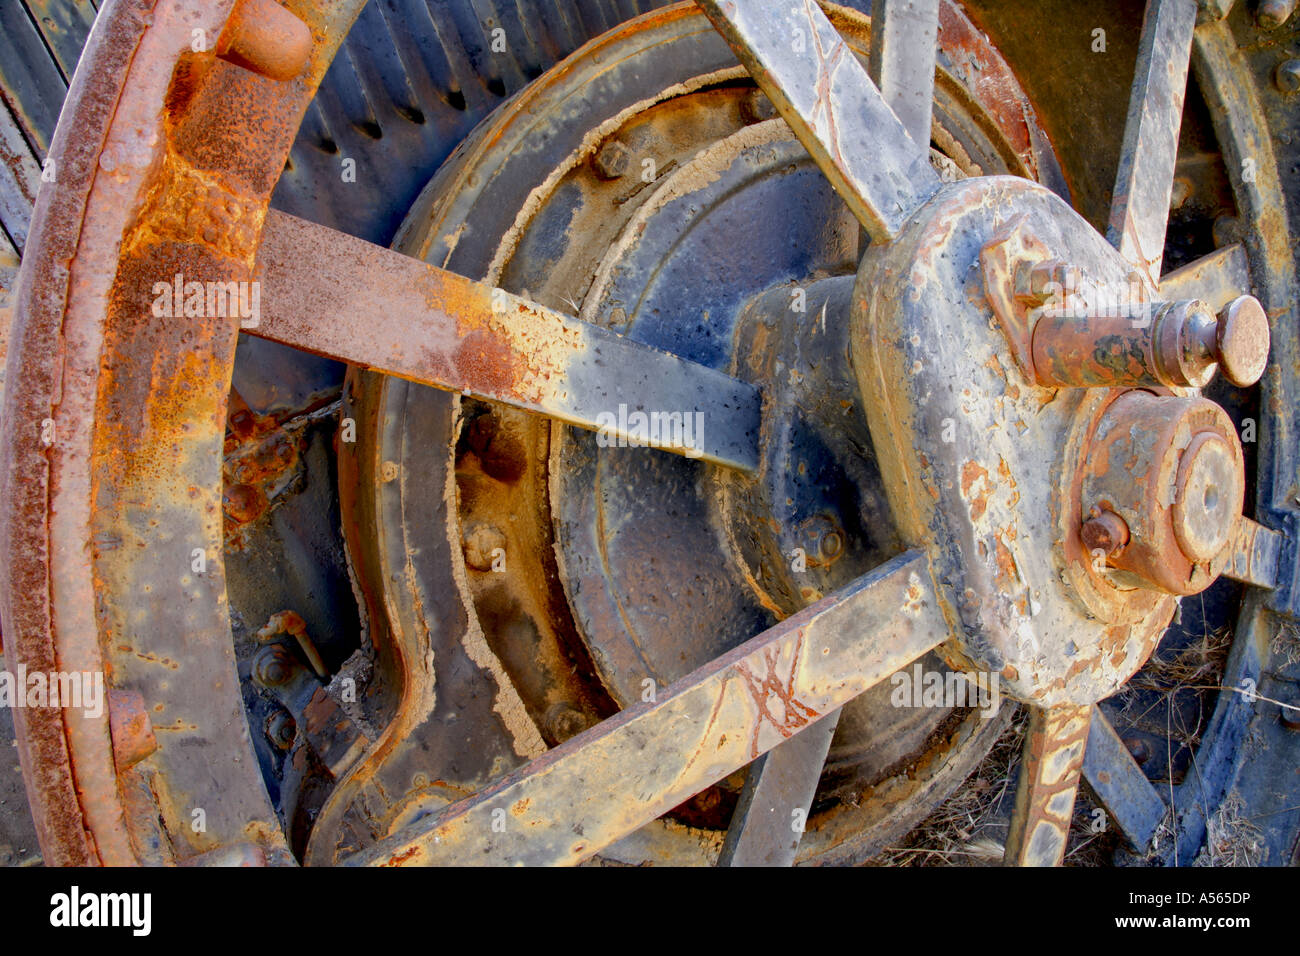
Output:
(1059, 568)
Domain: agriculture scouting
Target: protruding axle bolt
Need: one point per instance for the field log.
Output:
(1105, 532)
(1173, 344)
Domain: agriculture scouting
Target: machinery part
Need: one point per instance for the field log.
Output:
(1049, 775)
(467, 337)
(1145, 180)
(235, 244)
(902, 36)
(1172, 470)
(831, 105)
(1181, 345)
(704, 727)
(650, 504)
(769, 818)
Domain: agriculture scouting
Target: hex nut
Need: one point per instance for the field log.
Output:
(612, 160)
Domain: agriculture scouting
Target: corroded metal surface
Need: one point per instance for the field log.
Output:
(833, 107)
(1049, 778)
(963, 467)
(610, 780)
(135, 464)
(772, 812)
(198, 190)
(903, 46)
(510, 167)
(1172, 469)
(441, 329)
(1145, 180)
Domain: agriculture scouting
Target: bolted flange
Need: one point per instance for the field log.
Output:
(1171, 470)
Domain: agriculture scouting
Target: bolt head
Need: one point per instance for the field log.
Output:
(1105, 531)
(273, 666)
(280, 730)
(1138, 748)
(480, 543)
(565, 721)
(1045, 280)
(832, 544)
(612, 160)
(242, 502)
(1287, 76)
(1273, 13)
(1242, 341)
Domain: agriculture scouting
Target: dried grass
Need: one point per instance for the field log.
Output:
(1231, 839)
(967, 828)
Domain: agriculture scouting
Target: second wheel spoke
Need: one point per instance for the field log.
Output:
(332, 294)
(1144, 182)
(818, 86)
(614, 778)
(1050, 765)
(904, 36)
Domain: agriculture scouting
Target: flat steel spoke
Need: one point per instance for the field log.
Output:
(614, 778)
(1049, 778)
(1216, 279)
(767, 824)
(904, 42)
(816, 83)
(1119, 784)
(332, 294)
(1254, 553)
(1139, 207)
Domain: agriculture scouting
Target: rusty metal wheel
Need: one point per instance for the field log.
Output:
(902, 424)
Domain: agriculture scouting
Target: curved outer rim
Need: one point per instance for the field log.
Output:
(46, 592)
(107, 156)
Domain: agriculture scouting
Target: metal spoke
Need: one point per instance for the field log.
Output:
(612, 779)
(332, 294)
(1049, 778)
(1215, 279)
(1144, 183)
(1254, 552)
(904, 41)
(816, 83)
(1119, 784)
(767, 824)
